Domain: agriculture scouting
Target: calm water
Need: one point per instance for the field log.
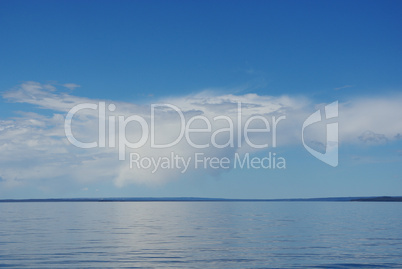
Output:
(201, 235)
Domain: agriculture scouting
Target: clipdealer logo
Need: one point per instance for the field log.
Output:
(330, 156)
(239, 133)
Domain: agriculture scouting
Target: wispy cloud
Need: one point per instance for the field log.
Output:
(71, 86)
(343, 87)
(372, 138)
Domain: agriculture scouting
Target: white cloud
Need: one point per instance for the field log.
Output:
(34, 146)
(343, 87)
(380, 115)
(71, 86)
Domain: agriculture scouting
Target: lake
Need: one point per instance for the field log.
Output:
(201, 235)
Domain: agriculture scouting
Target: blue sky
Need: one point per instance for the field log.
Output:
(293, 56)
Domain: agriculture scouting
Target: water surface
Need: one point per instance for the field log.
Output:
(201, 235)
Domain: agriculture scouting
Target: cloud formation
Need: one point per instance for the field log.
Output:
(372, 138)
(34, 146)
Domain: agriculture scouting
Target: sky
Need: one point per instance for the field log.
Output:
(100, 72)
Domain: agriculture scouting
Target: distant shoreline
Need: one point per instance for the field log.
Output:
(198, 199)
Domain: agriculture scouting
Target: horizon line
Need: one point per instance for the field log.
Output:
(205, 199)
